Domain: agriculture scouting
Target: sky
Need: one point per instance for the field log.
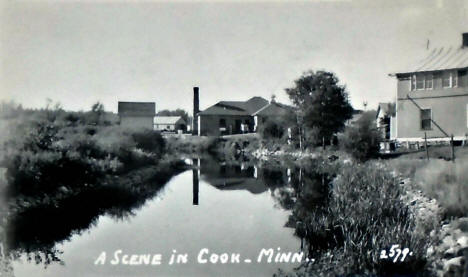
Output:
(80, 52)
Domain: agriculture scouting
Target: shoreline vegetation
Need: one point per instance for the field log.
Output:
(353, 207)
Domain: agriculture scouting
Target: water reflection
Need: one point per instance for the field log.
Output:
(233, 212)
(36, 225)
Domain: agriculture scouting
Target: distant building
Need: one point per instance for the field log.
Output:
(237, 117)
(137, 115)
(386, 120)
(170, 124)
(433, 94)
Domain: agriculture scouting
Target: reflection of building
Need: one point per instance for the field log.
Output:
(434, 93)
(136, 114)
(242, 176)
(170, 123)
(230, 177)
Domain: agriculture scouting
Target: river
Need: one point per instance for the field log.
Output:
(216, 208)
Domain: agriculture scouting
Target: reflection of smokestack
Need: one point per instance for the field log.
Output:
(196, 108)
(195, 181)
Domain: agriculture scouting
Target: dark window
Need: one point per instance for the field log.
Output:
(426, 122)
(222, 122)
(420, 81)
(462, 80)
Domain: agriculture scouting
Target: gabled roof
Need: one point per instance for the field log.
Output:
(236, 107)
(137, 108)
(274, 108)
(386, 108)
(441, 59)
(168, 120)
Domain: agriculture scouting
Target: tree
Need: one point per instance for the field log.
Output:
(178, 112)
(323, 103)
(362, 139)
(97, 111)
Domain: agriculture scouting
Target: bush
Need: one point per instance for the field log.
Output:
(149, 141)
(272, 129)
(43, 156)
(362, 140)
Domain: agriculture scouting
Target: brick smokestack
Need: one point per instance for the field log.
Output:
(196, 109)
(465, 40)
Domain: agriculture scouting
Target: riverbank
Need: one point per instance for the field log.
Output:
(428, 199)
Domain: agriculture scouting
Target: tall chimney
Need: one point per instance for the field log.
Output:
(196, 108)
(465, 40)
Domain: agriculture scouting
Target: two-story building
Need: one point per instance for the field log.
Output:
(137, 115)
(432, 96)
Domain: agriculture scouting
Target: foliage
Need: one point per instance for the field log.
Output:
(149, 141)
(273, 128)
(322, 101)
(362, 140)
(97, 111)
(42, 156)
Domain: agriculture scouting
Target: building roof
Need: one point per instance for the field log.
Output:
(386, 108)
(236, 107)
(274, 108)
(137, 108)
(440, 59)
(168, 120)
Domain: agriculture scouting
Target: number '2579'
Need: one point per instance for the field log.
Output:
(395, 252)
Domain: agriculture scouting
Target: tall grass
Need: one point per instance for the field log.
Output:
(364, 214)
(443, 180)
(448, 183)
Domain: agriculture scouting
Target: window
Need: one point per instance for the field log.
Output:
(426, 119)
(446, 79)
(429, 81)
(462, 80)
(222, 122)
(419, 81)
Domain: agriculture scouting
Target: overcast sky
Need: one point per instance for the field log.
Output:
(78, 53)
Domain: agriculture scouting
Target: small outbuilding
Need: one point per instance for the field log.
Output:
(170, 124)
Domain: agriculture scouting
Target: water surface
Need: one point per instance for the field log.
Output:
(226, 209)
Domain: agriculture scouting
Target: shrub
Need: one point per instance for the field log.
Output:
(272, 129)
(150, 141)
(362, 140)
